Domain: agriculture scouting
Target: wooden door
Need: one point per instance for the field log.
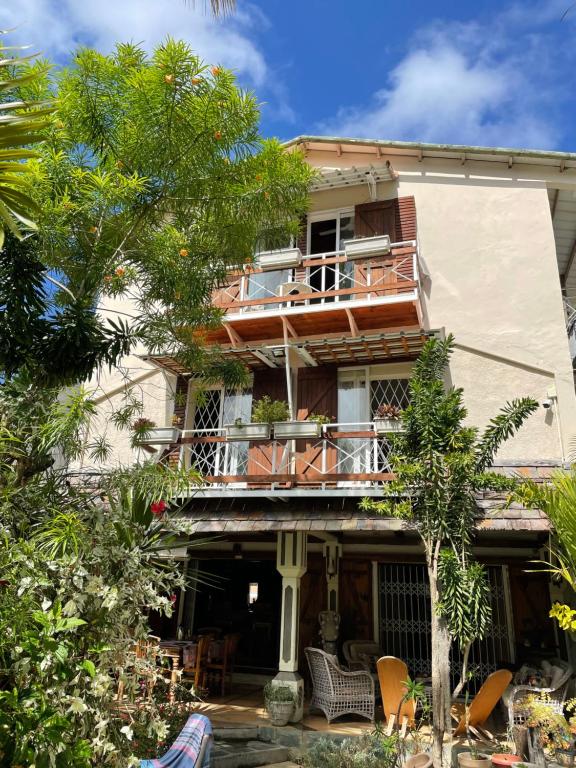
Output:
(317, 393)
(263, 455)
(356, 620)
(313, 599)
(533, 629)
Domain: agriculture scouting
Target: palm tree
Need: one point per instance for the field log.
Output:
(21, 125)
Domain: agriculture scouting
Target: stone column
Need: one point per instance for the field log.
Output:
(332, 554)
(291, 563)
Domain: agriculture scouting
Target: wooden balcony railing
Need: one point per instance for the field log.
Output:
(325, 278)
(344, 455)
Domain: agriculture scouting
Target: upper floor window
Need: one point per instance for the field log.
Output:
(327, 232)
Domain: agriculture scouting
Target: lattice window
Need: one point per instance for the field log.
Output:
(389, 392)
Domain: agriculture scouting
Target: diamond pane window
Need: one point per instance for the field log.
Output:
(389, 392)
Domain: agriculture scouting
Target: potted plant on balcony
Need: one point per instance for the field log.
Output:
(306, 428)
(264, 413)
(362, 247)
(387, 419)
(279, 703)
(147, 433)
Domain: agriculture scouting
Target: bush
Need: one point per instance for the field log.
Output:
(268, 411)
(372, 750)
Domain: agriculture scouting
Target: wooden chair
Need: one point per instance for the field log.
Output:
(224, 666)
(482, 705)
(198, 670)
(393, 676)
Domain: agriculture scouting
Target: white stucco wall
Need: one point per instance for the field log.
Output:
(485, 236)
(153, 387)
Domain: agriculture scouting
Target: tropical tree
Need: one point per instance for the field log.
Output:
(558, 500)
(440, 465)
(153, 182)
(22, 122)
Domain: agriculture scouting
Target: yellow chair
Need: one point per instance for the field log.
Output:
(482, 705)
(392, 676)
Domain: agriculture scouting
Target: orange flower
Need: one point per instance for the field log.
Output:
(216, 71)
(196, 80)
(93, 230)
(120, 271)
(107, 278)
(217, 135)
(258, 177)
(183, 252)
(169, 79)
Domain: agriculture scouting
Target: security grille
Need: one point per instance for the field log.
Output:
(387, 392)
(204, 457)
(405, 623)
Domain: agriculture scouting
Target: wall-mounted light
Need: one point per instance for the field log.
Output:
(237, 552)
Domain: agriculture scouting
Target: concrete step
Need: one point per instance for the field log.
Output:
(237, 753)
(236, 732)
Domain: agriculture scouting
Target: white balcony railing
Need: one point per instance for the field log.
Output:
(344, 455)
(324, 278)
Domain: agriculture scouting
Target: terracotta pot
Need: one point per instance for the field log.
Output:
(505, 759)
(466, 760)
(421, 760)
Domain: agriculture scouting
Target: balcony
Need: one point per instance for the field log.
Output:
(341, 292)
(347, 459)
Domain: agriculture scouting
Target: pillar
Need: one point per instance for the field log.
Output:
(332, 554)
(291, 563)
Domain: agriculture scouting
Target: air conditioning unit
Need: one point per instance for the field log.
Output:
(293, 288)
(363, 247)
(284, 258)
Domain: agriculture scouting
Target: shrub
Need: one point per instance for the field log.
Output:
(373, 750)
(267, 411)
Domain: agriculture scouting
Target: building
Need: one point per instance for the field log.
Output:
(402, 242)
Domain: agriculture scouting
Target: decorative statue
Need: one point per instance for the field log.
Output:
(329, 626)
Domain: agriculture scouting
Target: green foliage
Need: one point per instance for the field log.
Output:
(277, 692)
(558, 500)
(21, 126)
(154, 181)
(267, 411)
(440, 465)
(373, 750)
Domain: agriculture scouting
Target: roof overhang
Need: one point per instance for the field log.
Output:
(380, 347)
(423, 150)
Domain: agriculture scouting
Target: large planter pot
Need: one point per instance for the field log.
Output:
(421, 760)
(367, 246)
(292, 430)
(386, 426)
(279, 712)
(467, 760)
(256, 431)
(160, 436)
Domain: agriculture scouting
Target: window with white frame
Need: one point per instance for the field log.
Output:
(360, 392)
(209, 410)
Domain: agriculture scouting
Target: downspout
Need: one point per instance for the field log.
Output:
(288, 373)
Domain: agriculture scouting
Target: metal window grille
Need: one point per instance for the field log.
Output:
(405, 623)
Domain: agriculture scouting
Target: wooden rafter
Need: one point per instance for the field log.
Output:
(235, 338)
(352, 322)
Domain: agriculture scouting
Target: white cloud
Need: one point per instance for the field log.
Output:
(57, 27)
(467, 84)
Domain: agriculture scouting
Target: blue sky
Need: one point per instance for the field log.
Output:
(485, 72)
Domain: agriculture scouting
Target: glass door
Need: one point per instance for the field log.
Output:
(237, 405)
(326, 236)
(353, 414)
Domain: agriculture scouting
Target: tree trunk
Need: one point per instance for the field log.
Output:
(463, 674)
(441, 700)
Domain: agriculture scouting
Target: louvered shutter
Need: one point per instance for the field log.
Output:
(263, 456)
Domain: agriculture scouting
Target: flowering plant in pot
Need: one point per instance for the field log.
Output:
(387, 419)
(279, 702)
(472, 757)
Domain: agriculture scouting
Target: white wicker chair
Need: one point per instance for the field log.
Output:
(514, 697)
(336, 692)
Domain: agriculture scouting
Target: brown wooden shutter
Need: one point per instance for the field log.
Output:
(271, 382)
(396, 217)
(263, 456)
(406, 218)
(317, 393)
(372, 219)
